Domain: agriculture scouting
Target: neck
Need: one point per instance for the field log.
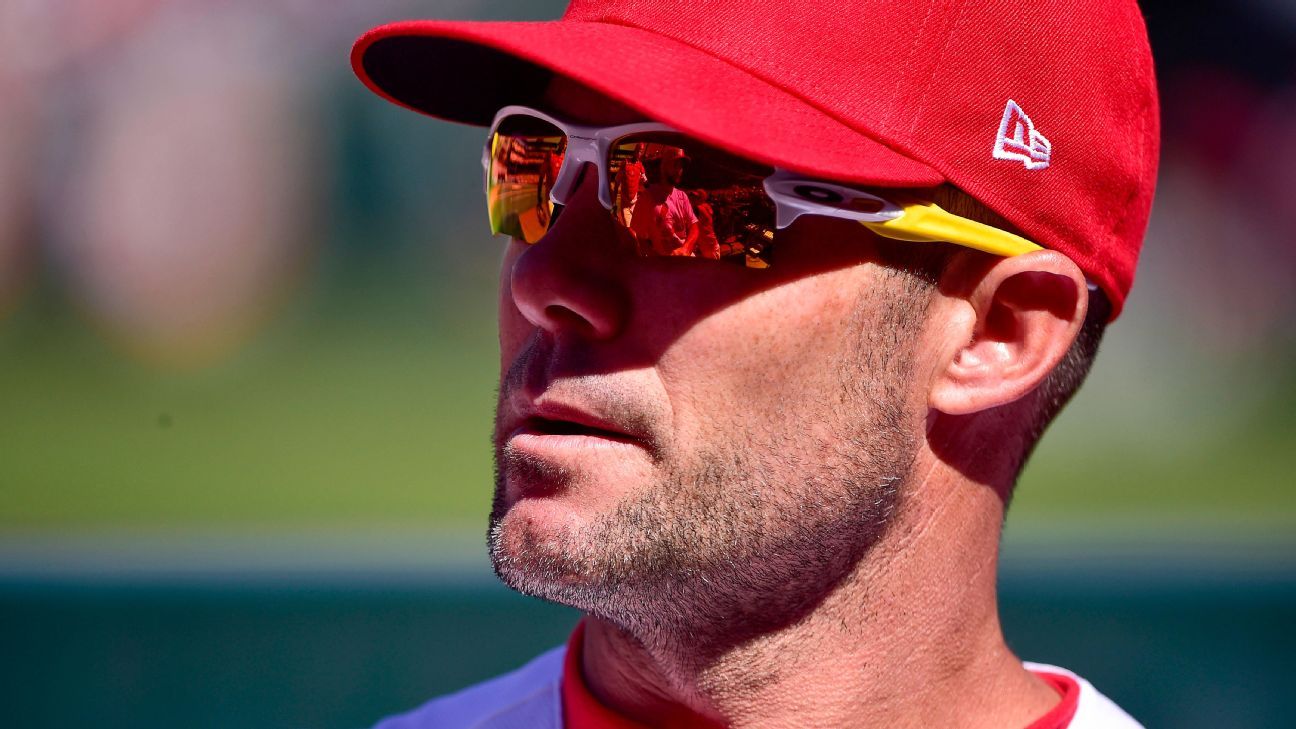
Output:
(910, 638)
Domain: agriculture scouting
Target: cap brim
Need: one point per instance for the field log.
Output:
(465, 71)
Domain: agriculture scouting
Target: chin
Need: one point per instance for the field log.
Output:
(536, 550)
(531, 523)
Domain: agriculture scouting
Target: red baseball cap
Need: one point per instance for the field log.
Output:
(1046, 112)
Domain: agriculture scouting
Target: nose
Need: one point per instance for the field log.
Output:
(568, 282)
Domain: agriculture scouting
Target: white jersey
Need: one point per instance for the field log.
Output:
(531, 698)
(1093, 711)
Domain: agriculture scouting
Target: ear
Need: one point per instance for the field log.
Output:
(1019, 316)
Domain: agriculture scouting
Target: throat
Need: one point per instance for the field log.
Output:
(895, 644)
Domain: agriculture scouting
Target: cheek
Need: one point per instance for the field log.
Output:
(514, 329)
(762, 360)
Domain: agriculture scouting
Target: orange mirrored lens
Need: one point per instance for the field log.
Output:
(671, 195)
(678, 197)
(525, 156)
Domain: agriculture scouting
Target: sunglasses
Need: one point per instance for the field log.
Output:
(676, 196)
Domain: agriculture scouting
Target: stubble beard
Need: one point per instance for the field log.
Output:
(740, 537)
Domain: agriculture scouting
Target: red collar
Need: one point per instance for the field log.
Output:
(579, 707)
(582, 711)
(1060, 716)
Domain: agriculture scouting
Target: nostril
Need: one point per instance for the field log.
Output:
(567, 319)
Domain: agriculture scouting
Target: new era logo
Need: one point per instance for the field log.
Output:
(1019, 141)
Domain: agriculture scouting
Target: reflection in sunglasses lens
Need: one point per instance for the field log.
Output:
(671, 195)
(678, 197)
(525, 156)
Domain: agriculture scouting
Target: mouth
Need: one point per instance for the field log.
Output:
(559, 431)
(549, 446)
(556, 429)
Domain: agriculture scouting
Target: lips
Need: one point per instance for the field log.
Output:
(546, 426)
(548, 423)
(562, 420)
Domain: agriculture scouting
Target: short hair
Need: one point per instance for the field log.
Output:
(924, 265)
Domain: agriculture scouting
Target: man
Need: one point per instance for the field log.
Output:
(629, 179)
(776, 492)
(708, 246)
(663, 219)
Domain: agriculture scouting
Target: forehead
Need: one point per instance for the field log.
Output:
(578, 103)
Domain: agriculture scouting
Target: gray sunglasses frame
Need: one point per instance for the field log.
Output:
(591, 144)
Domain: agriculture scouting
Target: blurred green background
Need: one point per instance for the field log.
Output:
(247, 362)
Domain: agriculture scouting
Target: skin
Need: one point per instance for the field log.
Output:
(774, 492)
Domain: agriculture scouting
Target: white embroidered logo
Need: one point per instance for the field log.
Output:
(1019, 141)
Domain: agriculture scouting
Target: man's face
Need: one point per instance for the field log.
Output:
(673, 171)
(686, 441)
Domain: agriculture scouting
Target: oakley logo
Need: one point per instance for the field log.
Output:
(1018, 140)
(818, 194)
